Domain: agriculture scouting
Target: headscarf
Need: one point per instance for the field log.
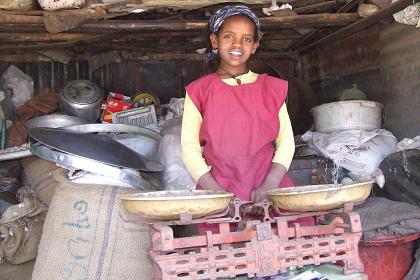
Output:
(222, 14)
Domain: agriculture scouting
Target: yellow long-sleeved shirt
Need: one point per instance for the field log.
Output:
(190, 142)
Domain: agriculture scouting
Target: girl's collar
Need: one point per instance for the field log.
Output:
(231, 81)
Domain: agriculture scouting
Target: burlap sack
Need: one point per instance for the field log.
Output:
(16, 134)
(16, 271)
(39, 105)
(21, 228)
(21, 239)
(39, 174)
(89, 235)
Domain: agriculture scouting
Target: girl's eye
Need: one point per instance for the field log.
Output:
(248, 40)
(228, 36)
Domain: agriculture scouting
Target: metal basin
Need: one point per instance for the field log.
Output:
(169, 205)
(319, 197)
(54, 121)
(96, 147)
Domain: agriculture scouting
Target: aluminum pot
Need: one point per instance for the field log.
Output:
(81, 98)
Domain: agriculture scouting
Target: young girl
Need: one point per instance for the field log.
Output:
(239, 117)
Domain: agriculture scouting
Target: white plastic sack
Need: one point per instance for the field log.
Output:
(171, 110)
(359, 151)
(21, 85)
(175, 176)
(51, 5)
(409, 143)
(84, 177)
(410, 15)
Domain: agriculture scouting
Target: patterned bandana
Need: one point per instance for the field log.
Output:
(222, 14)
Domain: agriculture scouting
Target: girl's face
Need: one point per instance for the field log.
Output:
(236, 42)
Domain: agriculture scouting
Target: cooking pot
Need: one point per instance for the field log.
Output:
(81, 98)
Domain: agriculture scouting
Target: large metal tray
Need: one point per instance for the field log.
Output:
(100, 148)
(54, 121)
(114, 128)
(319, 197)
(169, 205)
(126, 175)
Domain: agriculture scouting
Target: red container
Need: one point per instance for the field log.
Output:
(116, 102)
(388, 257)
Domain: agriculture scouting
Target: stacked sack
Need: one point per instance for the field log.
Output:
(349, 133)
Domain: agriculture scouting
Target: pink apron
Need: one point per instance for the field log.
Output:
(239, 126)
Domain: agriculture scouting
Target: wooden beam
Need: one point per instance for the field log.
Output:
(20, 19)
(23, 28)
(270, 23)
(316, 8)
(304, 3)
(23, 58)
(192, 4)
(361, 24)
(41, 37)
(309, 36)
(49, 46)
(348, 6)
(313, 20)
(279, 34)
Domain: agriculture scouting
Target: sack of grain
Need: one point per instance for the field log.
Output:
(89, 235)
(39, 175)
(21, 228)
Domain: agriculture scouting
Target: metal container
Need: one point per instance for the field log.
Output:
(81, 98)
(167, 205)
(342, 115)
(319, 197)
(53, 121)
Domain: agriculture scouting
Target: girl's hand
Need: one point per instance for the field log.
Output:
(259, 195)
(271, 181)
(208, 182)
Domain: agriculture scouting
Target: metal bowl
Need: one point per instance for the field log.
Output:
(54, 121)
(319, 197)
(169, 205)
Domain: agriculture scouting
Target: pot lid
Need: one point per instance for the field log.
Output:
(82, 92)
(96, 147)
